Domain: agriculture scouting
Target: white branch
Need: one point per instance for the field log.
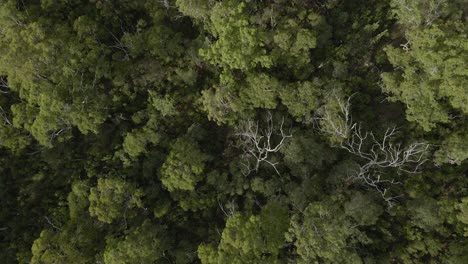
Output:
(52, 224)
(377, 153)
(258, 144)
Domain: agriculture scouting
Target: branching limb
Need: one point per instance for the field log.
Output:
(52, 224)
(377, 153)
(4, 85)
(337, 123)
(258, 144)
(4, 115)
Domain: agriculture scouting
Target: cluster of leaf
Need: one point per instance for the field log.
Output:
(120, 124)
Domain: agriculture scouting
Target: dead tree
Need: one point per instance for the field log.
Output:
(4, 85)
(382, 153)
(258, 144)
(377, 153)
(336, 123)
(4, 115)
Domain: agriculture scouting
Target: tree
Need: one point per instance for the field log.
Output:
(251, 239)
(258, 143)
(463, 214)
(321, 234)
(74, 238)
(454, 149)
(112, 199)
(377, 154)
(212, 131)
(430, 76)
(184, 166)
(363, 209)
(301, 99)
(247, 47)
(147, 243)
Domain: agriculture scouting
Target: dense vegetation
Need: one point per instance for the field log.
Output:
(233, 131)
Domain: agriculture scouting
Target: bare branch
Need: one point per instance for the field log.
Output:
(52, 224)
(4, 115)
(378, 153)
(258, 144)
(231, 209)
(337, 123)
(4, 84)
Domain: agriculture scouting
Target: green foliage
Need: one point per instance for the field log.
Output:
(431, 79)
(120, 127)
(112, 198)
(453, 150)
(301, 100)
(144, 244)
(419, 13)
(363, 209)
(165, 105)
(304, 154)
(78, 199)
(77, 239)
(251, 239)
(239, 45)
(425, 213)
(463, 214)
(322, 234)
(197, 9)
(78, 242)
(184, 166)
(136, 141)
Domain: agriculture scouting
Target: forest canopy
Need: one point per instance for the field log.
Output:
(233, 131)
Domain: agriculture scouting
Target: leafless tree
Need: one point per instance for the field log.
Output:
(52, 224)
(4, 115)
(381, 153)
(258, 144)
(377, 153)
(228, 209)
(335, 123)
(120, 45)
(166, 4)
(4, 85)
